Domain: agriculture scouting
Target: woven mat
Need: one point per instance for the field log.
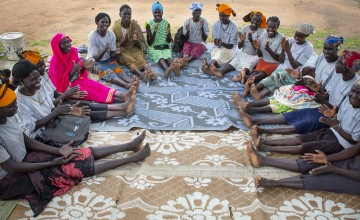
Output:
(190, 175)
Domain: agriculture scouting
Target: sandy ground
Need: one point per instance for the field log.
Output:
(39, 20)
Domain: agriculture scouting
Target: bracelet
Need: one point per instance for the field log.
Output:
(336, 127)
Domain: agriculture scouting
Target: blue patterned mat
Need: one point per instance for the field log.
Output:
(192, 101)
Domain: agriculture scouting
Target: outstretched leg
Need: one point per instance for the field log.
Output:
(105, 165)
(133, 145)
(258, 160)
(287, 129)
(289, 149)
(291, 182)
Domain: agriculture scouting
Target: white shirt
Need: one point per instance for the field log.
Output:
(349, 120)
(12, 143)
(97, 43)
(301, 53)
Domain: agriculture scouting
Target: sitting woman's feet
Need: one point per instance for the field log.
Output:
(254, 93)
(236, 99)
(215, 71)
(137, 142)
(237, 78)
(142, 154)
(245, 117)
(149, 72)
(130, 105)
(254, 156)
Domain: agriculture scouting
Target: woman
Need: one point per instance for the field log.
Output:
(158, 38)
(225, 38)
(295, 52)
(267, 47)
(67, 69)
(307, 120)
(196, 31)
(338, 172)
(284, 100)
(131, 41)
(246, 58)
(102, 49)
(36, 107)
(38, 172)
(343, 131)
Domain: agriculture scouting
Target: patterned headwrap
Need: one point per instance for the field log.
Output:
(248, 17)
(334, 40)
(7, 95)
(305, 28)
(196, 5)
(156, 6)
(350, 59)
(226, 9)
(32, 56)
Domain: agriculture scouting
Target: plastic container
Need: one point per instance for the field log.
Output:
(12, 42)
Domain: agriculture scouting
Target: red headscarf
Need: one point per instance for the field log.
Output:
(61, 64)
(348, 58)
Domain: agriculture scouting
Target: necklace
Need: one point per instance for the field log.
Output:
(38, 100)
(227, 26)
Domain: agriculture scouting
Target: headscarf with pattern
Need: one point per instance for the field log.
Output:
(350, 59)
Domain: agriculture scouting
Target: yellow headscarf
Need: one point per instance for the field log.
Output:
(7, 95)
(226, 9)
(248, 17)
(33, 56)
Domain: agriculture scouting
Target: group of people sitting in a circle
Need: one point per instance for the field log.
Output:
(321, 102)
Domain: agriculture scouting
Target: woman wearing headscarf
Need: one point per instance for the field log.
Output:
(308, 120)
(246, 58)
(196, 31)
(338, 172)
(130, 40)
(295, 52)
(225, 38)
(158, 37)
(37, 172)
(268, 47)
(102, 49)
(291, 97)
(68, 70)
(37, 107)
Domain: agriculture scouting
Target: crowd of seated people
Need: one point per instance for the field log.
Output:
(320, 103)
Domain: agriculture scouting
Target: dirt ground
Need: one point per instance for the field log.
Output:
(39, 20)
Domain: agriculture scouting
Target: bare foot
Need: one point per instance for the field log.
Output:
(237, 78)
(135, 82)
(253, 91)
(255, 157)
(169, 70)
(131, 105)
(245, 117)
(246, 89)
(258, 181)
(244, 105)
(243, 76)
(258, 143)
(151, 74)
(142, 153)
(215, 71)
(129, 93)
(254, 133)
(177, 70)
(206, 69)
(204, 61)
(236, 99)
(138, 141)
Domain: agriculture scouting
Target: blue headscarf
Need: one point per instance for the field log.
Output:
(334, 40)
(157, 6)
(196, 5)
